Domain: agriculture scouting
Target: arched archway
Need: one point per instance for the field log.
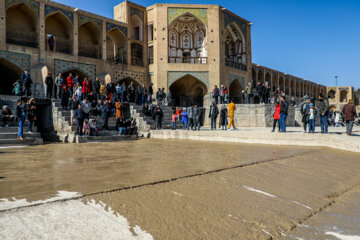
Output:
(281, 84)
(287, 86)
(127, 81)
(343, 96)
(331, 94)
(261, 77)
(187, 40)
(116, 45)
(268, 79)
(187, 90)
(137, 28)
(61, 28)
(235, 91)
(9, 74)
(22, 26)
(275, 85)
(292, 88)
(254, 80)
(89, 41)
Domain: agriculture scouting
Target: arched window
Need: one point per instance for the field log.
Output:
(136, 28)
(331, 94)
(137, 54)
(235, 50)
(343, 96)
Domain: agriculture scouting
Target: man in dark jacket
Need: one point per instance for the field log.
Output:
(105, 116)
(79, 116)
(190, 111)
(158, 117)
(260, 89)
(27, 82)
(96, 88)
(150, 93)
(216, 94)
(213, 113)
(197, 114)
(283, 114)
(49, 85)
(59, 82)
(349, 112)
(323, 111)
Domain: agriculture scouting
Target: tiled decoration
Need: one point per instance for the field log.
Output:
(121, 74)
(84, 19)
(228, 18)
(200, 13)
(134, 11)
(61, 66)
(111, 26)
(202, 76)
(35, 6)
(19, 59)
(51, 9)
(239, 78)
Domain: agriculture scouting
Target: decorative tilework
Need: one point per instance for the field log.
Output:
(234, 77)
(19, 59)
(61, 66)
(35, 6)
(110, 26)
(84, 19)
(121, 74)
(51, 9)
(228, 18)
(134, 11)
(200, 13)
(202, 76)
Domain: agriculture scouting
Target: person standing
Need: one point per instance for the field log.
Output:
(79, 116)
(27, 82)
(49, 85)
(31, 114)
(51, 42)
(190, 111)
(105, 116)
(150, 93)
(213, 113)
(184, 118)
(20, 114)
(223, 118)
(216, 94)
(222, 94)
(276, 116)
(349, 112)
(283, 113)
(196, 116)
(260, 92)
(304, 112)
(96, 89)
(158, 117)
(143, 95)
(131, 92)
(249, 93)
(323, 110)
(102, 90)
(138, 95)
(65, 98)
(231, 112)
(85, 88)
(59, 82)
(70, 84)
(312, 118)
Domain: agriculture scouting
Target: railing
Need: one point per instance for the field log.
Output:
(235, 64)
(196, 60)
(118, 60)
(137, 61)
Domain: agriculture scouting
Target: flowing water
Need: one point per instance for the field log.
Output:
(172, 189)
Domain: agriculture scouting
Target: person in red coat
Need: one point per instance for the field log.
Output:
(86, 87)
(276, 116)
(70, 84)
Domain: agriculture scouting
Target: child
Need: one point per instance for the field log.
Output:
(86, 128)
(93, 129)
(184, 119)
(173, 121)
(312, 118)
(276, 116)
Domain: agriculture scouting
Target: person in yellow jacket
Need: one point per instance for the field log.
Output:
(231, 111)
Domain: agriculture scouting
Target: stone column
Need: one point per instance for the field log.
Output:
(103, 41)
(2, 26)
(42, 33)
(76, 37)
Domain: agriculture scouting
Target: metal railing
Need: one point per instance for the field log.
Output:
(235, 64)
(118, 60)
(195, 60)
(137, 61)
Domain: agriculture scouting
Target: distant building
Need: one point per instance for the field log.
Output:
(357, 97)
(339, 96)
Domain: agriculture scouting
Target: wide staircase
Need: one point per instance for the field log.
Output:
(147, 123)
(66, 129)
(8, 135)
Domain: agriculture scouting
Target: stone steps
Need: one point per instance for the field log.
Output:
(112, 138)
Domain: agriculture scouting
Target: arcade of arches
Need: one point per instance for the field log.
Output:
(10, 73)
(235, 47)
(89, 41)
(58, 26)
(187, 90)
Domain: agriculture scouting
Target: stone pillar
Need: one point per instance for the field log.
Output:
(2, 26)
(256, 76)
(271, 82)
(42, 34)
(76, 36)
(103, 40)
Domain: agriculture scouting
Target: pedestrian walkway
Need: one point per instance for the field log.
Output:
(294, 136)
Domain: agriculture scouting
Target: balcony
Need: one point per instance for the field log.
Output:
(194, 60)
(118, 60)
(235, 63)
(137, 61)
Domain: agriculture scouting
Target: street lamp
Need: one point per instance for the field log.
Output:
(336, 80)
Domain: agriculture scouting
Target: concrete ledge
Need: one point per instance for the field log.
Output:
(335, 139)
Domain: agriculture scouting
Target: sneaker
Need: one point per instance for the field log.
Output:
(21, 138)
(30, 132)
(229, 129)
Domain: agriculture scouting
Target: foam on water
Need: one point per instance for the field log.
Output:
(71, 219)
(342, 236)
(6, 204)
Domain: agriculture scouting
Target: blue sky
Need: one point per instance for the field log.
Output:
(313, 39)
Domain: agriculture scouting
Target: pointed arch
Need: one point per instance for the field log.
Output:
(89, 40)
(235, 90)
(116, 46)
(10, 73)
(22, 25)
(137, 28)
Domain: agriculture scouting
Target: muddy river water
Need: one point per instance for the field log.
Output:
(174, 189)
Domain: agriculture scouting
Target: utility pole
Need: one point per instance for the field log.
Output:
(336, 80)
